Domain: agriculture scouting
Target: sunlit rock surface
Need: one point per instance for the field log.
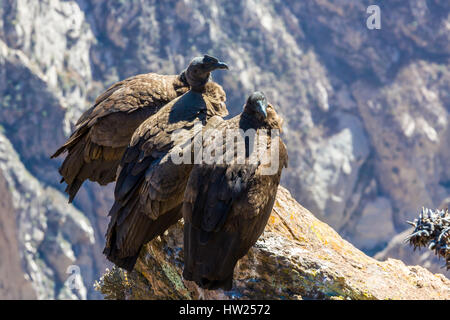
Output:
(297, 257)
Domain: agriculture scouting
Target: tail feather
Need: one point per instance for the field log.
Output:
(72, 141)
(58, 152)
(125, 239)
(75, 169)
(72, 189)
(211, 264)
(126, 263)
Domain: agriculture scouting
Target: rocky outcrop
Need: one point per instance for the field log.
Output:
(417, 118)
(13, 283)
(297, 257)
(42, 236)
(398, 248)
(45, 78)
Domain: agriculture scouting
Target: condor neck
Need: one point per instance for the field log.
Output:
(182, 78)
(252, 120)
(197, 84)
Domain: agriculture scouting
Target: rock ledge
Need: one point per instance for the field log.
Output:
(297, 257)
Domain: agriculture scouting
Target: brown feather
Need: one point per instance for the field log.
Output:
(148, 174)
(103, 132)
(226, 207)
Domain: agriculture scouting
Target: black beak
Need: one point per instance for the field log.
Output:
(262, 108)
(213, 63)
(219, 65)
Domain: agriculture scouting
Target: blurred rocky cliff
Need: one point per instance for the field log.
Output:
(367, 112)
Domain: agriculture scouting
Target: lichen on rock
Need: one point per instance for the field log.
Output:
(297, 257)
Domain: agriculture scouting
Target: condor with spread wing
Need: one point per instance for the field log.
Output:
(103, 132)
(150, 186)
(227, 205)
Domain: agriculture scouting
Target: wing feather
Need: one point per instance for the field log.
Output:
(225, 209)
(103, 131)
(149, 184)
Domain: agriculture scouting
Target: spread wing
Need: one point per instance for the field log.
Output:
(103, 132)
(225, 210)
